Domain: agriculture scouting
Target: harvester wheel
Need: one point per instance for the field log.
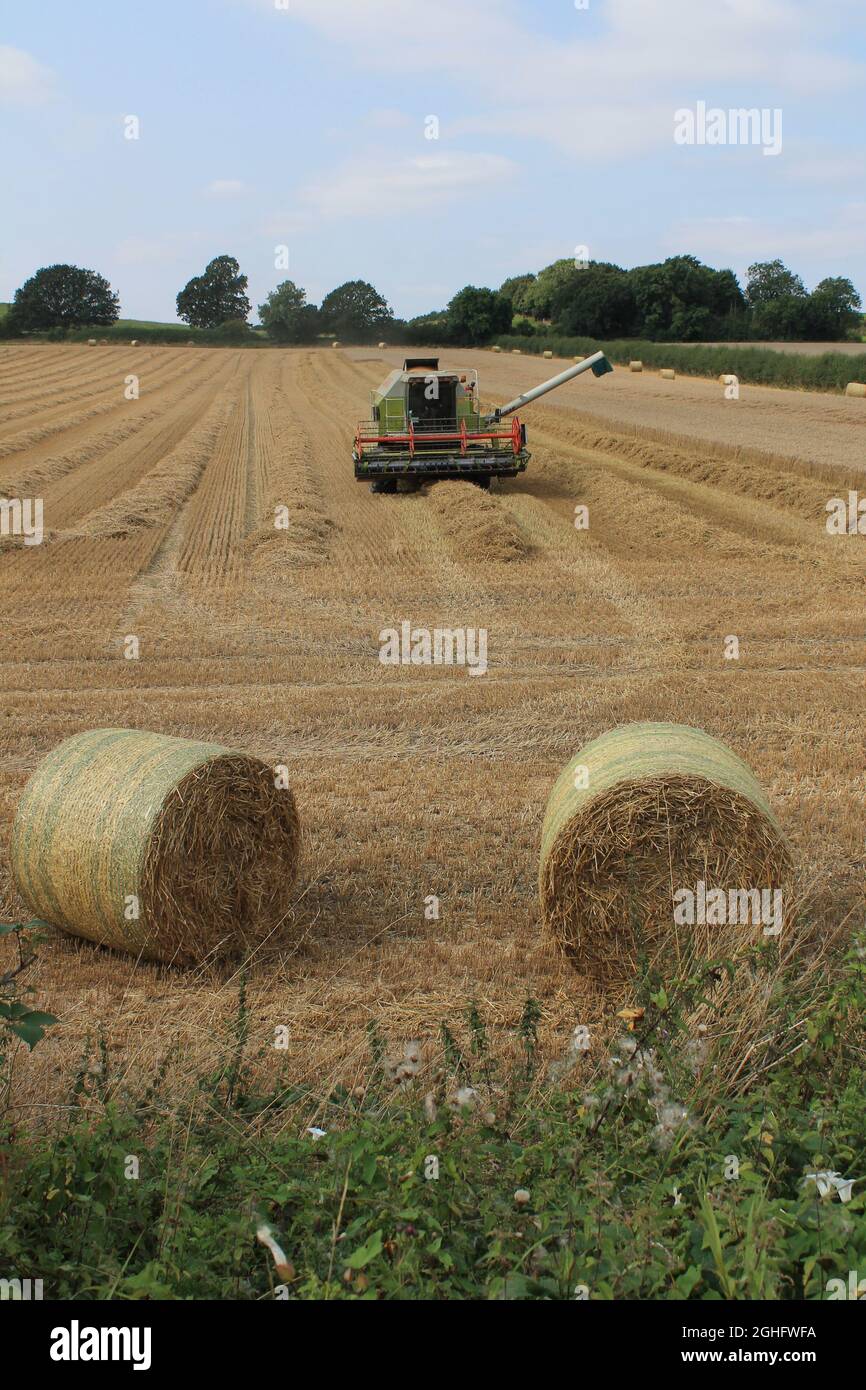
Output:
(482, 481)
(384, 485)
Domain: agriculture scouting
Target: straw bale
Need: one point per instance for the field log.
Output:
(659, 808)
(171, 849)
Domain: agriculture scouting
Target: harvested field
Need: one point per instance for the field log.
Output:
(413, 783)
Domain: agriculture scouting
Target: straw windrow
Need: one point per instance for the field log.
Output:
(194, 838)
(664, 807)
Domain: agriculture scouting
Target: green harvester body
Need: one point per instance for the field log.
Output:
(426, 425)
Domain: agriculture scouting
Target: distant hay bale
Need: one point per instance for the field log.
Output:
(91, 342)
(133, 342)
(855, 388)
(517, 352)
(383, 345)
(196, 839)
(580, 359)
(638, 815)
(635, 366)
(496, 348)
(333, 345)
(668, 374)
(548, 354)
(103, 342)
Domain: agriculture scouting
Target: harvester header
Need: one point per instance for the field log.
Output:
(426, 425)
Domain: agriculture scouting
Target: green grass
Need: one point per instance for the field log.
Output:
(165, 333)
(132, 324)
(756, 366)
(146, 331)
(532, 1189)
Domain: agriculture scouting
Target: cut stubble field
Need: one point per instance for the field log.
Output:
(707, 520)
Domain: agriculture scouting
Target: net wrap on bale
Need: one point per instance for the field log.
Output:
(168, 848)
(638, 815)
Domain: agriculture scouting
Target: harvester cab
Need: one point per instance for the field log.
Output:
(426, 424)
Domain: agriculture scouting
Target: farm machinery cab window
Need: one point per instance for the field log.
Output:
(432, 401)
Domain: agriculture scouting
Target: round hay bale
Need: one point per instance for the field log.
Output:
(640, 814)
(517, 352)
(91, 342)
(496, 348)
(548, 354)
(333, 345)
(668, 374)
(195, 839)
(855, 388)
(133, 342)
(383, 345)
(579, 359)
(635, 366)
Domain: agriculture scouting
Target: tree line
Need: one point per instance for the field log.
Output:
(60, 298)
(682, 300)
(677, 300)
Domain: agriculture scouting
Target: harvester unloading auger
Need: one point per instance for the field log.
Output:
(427, 425)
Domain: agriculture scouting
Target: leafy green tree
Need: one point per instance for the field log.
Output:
(785, 319)
(429, 328)
(597, 303)
(833, 310)
(219, 294)
(769, 280)
(681, 299)
(538, 297)
(475, 315)
(63, 296)
(517, 289)
(355, 310)
(233, 331)
(287, 317)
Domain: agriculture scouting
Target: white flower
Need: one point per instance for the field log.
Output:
(467, 1096)
(670, 1116)
(826, 1182)
(316, 1132)
(265, 1236)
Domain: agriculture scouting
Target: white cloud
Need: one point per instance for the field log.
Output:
(152, 250)
(604, 131)
(407, 185)
(607, 93)
(737, 241)
(226, 188)
(812, 164)
(387, 118)
(23, 80)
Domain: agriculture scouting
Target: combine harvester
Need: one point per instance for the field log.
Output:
(427, 425)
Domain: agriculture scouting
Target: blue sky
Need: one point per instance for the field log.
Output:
(304, 126)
